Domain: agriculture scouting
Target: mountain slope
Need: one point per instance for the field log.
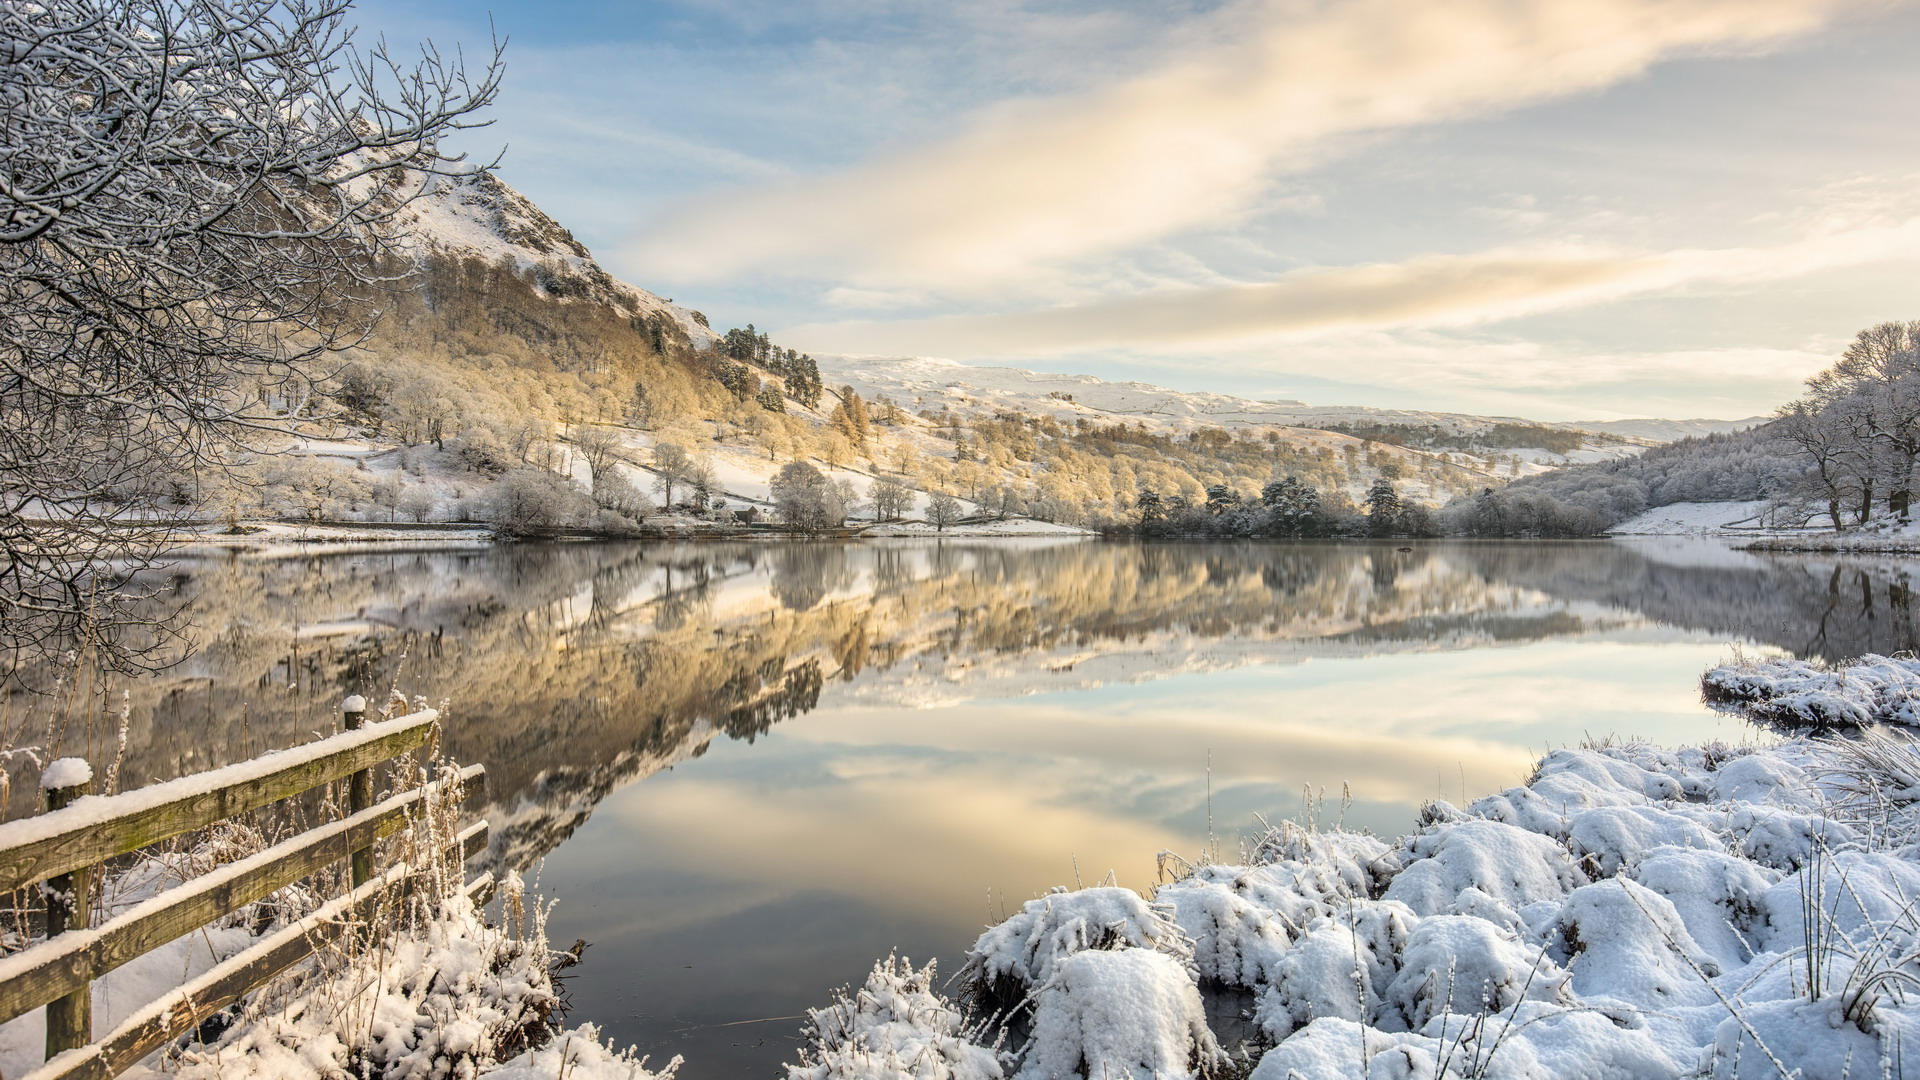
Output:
(478, 215)
(515, 342)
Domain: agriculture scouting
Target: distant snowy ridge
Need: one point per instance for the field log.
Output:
(1665, 431)
(933, 382)
(923, 374)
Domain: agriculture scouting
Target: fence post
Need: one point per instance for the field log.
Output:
(69, 907)
(359, 788)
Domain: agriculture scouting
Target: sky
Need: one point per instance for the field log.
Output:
(1561, 209)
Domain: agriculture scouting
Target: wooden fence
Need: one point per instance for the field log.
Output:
(63, 847)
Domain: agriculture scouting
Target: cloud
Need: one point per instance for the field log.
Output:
(1431, 291)
(1280, 88)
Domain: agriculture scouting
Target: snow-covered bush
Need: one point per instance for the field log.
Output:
(1235, 941)
(1017, 956)
(1803, 693)
(895, 1027)
(1510, 864)
(451, 995)
(1123, 1014)
(1628, 912)
(580, 1054)
(1464, 965)
(533, 500)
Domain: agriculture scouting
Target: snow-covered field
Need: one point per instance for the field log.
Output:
(1628, 912)
(1694, 519)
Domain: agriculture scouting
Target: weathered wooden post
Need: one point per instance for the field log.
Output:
(359, 788)
(69, 907)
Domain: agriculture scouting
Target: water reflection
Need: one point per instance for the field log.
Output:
(981, 719)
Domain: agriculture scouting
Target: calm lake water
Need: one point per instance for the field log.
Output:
(747, 770)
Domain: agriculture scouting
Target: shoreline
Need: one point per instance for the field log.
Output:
(1628, 910)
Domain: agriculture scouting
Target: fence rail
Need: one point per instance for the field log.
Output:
(63, 846)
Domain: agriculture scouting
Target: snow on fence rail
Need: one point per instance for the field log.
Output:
(62, 846)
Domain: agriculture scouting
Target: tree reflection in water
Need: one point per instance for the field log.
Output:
(570, 669)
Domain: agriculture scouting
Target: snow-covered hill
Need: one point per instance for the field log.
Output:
(481, 216)
(920, 381)
(1665, 431)
(517, 341)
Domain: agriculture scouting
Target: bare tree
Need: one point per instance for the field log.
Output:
(670, 465)
(890, 498)
(1875, 387)
(200, 199)
(943, 510)
(599, 448)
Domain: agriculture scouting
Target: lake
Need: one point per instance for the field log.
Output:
(747, 770)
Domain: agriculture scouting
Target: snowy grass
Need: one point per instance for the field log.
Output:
(1871, 689)
(424, 985)
(1629, 911)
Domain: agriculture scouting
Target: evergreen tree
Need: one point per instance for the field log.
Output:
(1149, 505)
(1383, 508)
(1221, 498)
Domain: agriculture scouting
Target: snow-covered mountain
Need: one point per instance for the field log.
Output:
(479, 215)
(516, 336)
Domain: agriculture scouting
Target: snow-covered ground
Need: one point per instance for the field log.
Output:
(1800, 693)
(323, 539)
(1009, 527)
(1694, 519)
(1628, 912)
(1751, 521)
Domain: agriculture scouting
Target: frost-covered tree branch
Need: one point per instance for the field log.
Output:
(198, 198)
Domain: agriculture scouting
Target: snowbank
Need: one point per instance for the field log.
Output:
(1628, 912)
(1804, 693)
(1897, 541)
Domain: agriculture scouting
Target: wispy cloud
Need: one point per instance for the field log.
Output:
(1192, 143)
(1433, 291)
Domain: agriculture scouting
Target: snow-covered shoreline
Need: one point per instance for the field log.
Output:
(1867, 690)
(1629, 911)
(327, 537)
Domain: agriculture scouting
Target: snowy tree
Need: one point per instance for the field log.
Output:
(599, 448)
(199, 200)
(805, 499)
(703, 484)
(890, 498)
(943, 510)
(613, 491)
(1293, 507)
(670, 465)
(529, 501)
(1383, 508)
(417, 502)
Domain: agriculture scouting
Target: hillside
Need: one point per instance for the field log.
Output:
(513, 345)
